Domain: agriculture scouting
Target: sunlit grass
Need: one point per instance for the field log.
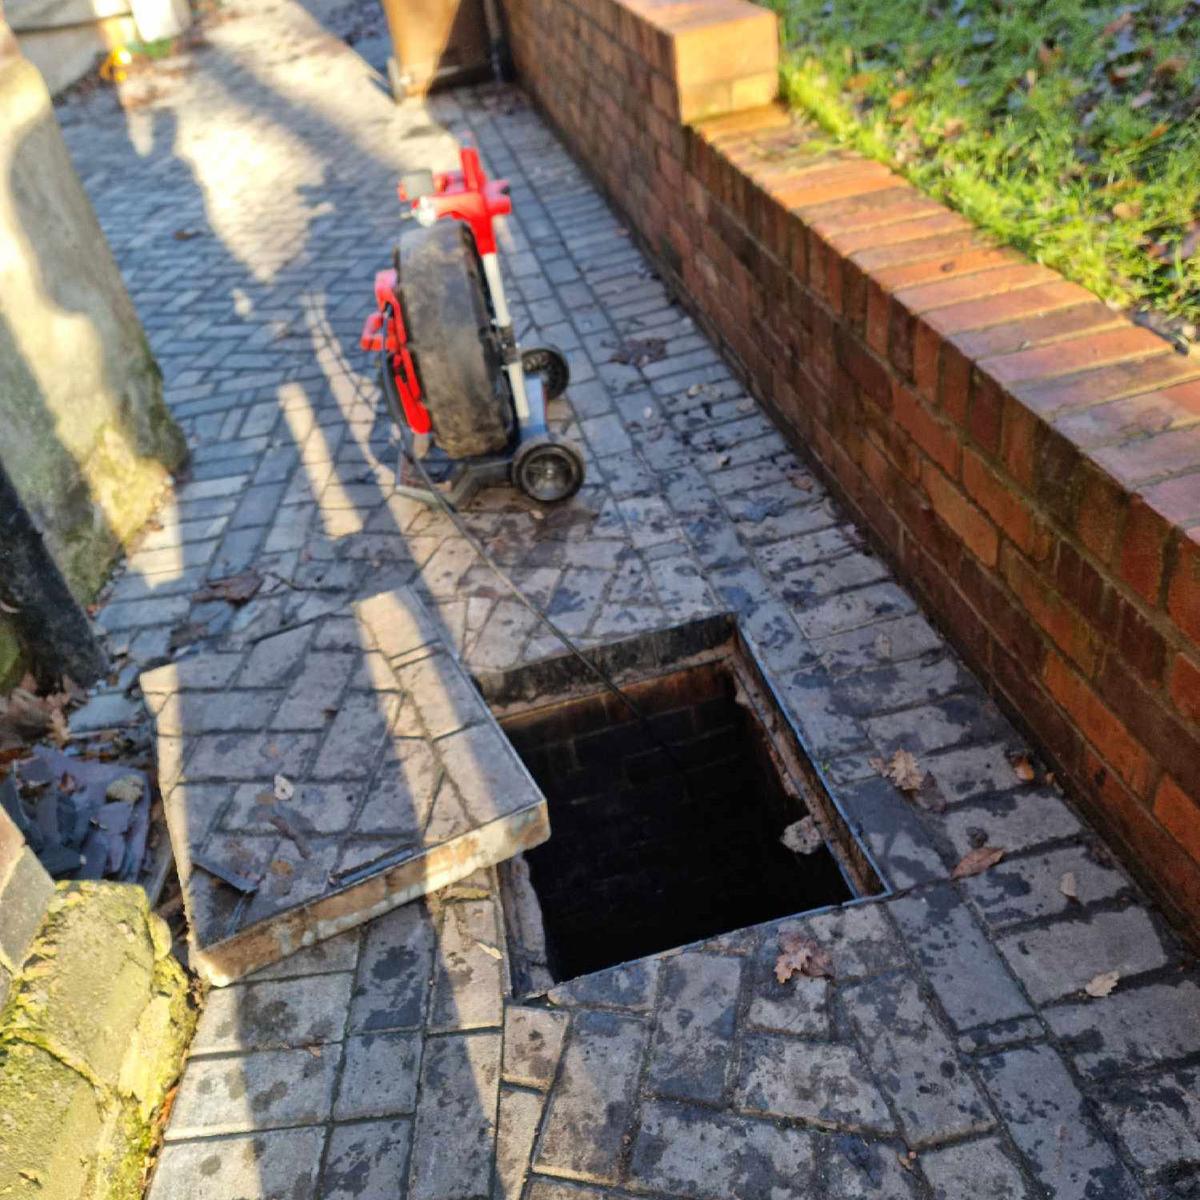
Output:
(1070, 129)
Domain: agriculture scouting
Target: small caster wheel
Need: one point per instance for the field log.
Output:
(548, 470)
(550, 366)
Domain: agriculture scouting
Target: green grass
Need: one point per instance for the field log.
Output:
(1069, 128)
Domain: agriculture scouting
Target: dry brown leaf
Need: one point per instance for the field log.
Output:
(280, 866)
(802, 837)
(975, 862)
(953, 128)
(1023, 768)
(1127, 210)
(1068, 886)
(1102, 985)
(899, 99)
(233, 589)
(490, 951)
(1170, 67)
(860, 82)
(803, 956)
(1117, 24)
(902, 769)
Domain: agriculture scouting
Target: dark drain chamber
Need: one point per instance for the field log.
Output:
(651, 850)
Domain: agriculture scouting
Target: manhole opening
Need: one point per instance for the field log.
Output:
(667, 832)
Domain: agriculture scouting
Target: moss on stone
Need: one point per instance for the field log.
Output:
(92, 1037)
(11, 661)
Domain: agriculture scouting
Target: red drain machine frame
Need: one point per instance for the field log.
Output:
(470, 403)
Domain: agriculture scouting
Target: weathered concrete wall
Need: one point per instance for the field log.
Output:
(84, 434)
(92, 1034)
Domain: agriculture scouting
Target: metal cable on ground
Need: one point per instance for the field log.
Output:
(485, 556)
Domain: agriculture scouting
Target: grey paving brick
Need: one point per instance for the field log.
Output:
(312, 699)
(915, 1061)
(630, 985)
(979, 1169)
(366, 1161)
(455, 1131)
(1049, 1122)
(262, 1090)
(533, 1039)
(967, 974)
(1157, 1118)
(693, 1039)
(972, 771)
(850, 610)
(446, 700)
(468, 984)
(1026, 888)
(274, 1014)
(1016, 821)
(695, 1152)
(394, 971)
(591, 1108)
(880, 645)
(356, 737)
(274, 659)
(1059, 959)
(519, 1115)
(824, 1085)
(379, 1076)
(899, 842)
(260, 1166)
(1131, 1028)
(857, 1168)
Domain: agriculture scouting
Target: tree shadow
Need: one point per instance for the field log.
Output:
(297, 1075)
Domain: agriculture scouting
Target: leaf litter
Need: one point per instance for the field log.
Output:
(803, 836)
(802, 956)
(976, 861)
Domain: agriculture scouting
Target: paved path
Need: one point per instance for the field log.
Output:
(248, 199)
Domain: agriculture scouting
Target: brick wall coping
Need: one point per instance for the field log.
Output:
(1028, 458)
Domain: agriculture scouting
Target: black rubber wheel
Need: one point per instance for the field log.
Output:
(449, 331)
(550, 365)
(548, 470)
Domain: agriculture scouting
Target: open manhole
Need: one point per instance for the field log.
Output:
(665, 830)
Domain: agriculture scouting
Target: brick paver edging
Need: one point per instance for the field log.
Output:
(1028, 459)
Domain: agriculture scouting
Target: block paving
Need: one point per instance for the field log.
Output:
(247, 195)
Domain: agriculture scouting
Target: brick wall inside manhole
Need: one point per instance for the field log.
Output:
(666, 831)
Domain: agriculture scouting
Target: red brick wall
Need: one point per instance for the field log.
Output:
(1028, 459)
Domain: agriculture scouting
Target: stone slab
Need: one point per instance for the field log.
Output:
(387, 793)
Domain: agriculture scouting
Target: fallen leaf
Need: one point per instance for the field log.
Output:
(233, 589)
(637, 352)
(1141, 100)
(975, 862)
(491, 951)
(281, 866)
(860, 82)
(1169, 67)
(284, 788)
(1047, 55)
(1023, 768)
(802, 837)
(186, 235)
(902, 769)
(953, 128)
(1102, 985)
(315, 1051)
(1127, 210)
(899, 99)
(8, 608)
(1117, 24)
(1068, 887)
(801, 955)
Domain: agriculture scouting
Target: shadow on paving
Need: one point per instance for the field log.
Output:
(370, 1064)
